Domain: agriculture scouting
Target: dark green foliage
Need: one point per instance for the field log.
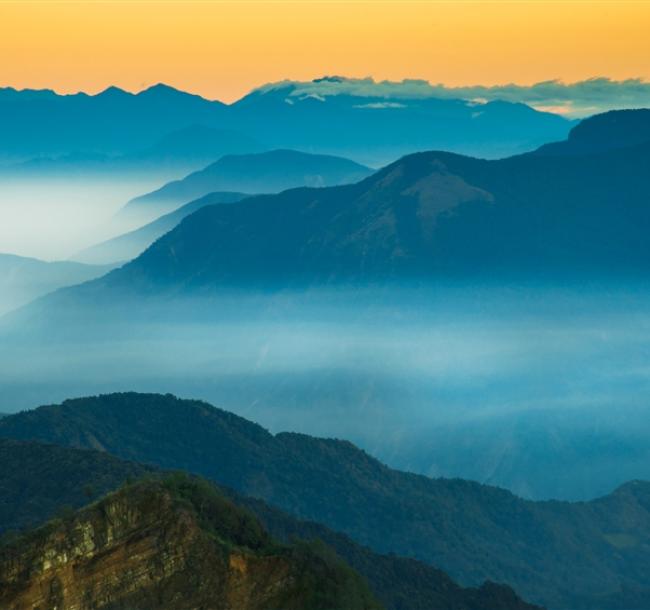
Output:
(554, 553)
(37, 481)
(324, 578)
(218, 515)
(398, 582)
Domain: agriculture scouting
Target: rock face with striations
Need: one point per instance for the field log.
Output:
(172, 544)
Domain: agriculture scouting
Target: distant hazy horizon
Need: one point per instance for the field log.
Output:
(571, 99)
(222, 50)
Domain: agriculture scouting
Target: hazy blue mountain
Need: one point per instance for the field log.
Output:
(368, 127)
(199, 144)
(185, 150)
(24, 279)
(608, 131)
(376, 128)
(563, 555)
(41, 481)
(456, 316)
(268, 172)
(129, 245)
(427, 215)
(42, 123)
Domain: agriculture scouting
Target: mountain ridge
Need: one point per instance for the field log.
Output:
(120, 122)
(270, 171)
(171, 543)
(472, 531)
(429, 214)
(43, 481)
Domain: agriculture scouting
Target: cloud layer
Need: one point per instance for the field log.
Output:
(578, 99)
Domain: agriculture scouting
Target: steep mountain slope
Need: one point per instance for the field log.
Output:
(268, 172)
(398, 582)
(176, 543)
(129, 245)
(40, 481)
(559, 554)
(24, 279)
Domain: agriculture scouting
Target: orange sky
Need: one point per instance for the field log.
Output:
(222, 49)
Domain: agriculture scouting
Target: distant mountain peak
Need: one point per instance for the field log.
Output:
(163, 90)
(113, 91)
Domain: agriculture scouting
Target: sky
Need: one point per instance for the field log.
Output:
(223, 49)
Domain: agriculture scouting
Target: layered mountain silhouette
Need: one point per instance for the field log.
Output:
(115, 122)
(24, 279)
(129, 245)
(40, 481)
(375, 128)
(563, 555)
(427, 215)
(268, 172)
(369, 127)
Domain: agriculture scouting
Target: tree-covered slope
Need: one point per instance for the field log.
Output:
(40, 481)
(555, 553)
(176, 543)
(37, 480)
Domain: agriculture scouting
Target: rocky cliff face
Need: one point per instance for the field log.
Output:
(150, 547)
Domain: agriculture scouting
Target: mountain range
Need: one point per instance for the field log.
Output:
(44, 481)
(425, 216)
(39, 123)
(558, 554)
(428, 222)
(482, 315)
(367, 127)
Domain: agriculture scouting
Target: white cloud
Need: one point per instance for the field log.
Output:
(572, 99)
(381, 105)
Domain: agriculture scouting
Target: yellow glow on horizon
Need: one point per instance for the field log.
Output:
(222, 49)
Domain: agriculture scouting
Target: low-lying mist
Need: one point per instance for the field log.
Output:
(53, 218)
(541, 390)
